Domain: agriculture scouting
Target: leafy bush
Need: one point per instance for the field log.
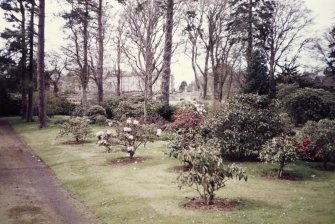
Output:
(157, 120)
(309, 104)
(55, 105)
(186, 118)
(96, 112)
(130, 135)
(243, 125)
(100, 120)
(307, 149)
(322, 133)
(166, 111)
(208, 173)
(78, 111)
(281, 150)
(78, 127)
(123, 107)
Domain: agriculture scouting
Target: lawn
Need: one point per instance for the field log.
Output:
(147, 192)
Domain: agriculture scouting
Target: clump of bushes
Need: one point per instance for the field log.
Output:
(77, 127)
(307, 104)
(322, 134)
(243, 125)
(280, 150)
(55, 105)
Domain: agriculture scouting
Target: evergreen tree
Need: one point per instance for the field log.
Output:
(256, 78)
(330, 70)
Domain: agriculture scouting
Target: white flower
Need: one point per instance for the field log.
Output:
(110, 123)
(126, 129)
(130, 137)
(159, 132)
(129, 121)
(130, 149)
(99, 134)
(136, 122)
(108, 132)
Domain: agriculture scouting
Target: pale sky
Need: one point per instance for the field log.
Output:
(323, 11)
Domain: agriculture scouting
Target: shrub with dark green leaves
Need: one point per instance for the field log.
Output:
(55, 105)
(307, 104)
(280, 150)
(166, 111)
(322, 134)
(243, 125)
(77, 127)
(95, 112)
(208, 173)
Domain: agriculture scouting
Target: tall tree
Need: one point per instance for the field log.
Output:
(144, 50)
(165, 88)
(212, 44)
(78, 23)
(285, 37)
(256, 78)
(100, 64)
(250, 19)
(30, 80)
(40, 66)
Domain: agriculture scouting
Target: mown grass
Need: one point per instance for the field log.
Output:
(147, 192)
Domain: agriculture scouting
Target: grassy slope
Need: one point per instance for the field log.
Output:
(147, 192)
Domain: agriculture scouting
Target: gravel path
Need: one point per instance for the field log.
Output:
(29, 191)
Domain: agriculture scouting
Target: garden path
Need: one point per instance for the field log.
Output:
(29, 190)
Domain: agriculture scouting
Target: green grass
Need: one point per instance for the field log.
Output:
(147, 192)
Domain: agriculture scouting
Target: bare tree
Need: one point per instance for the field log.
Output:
(144, 50)
(286, 36)
(212, 44)
(40, 66)
(77, 52)
(57, 66)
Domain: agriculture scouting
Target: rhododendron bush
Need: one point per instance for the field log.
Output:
(78, 127)
(128, 136)
(281, 150)
(187, 131)
(208, 173)
(322, 134)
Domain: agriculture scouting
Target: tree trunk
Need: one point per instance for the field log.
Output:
(29, 116)
(56, 89)
(272, 65)
(250, 38)
(204, 89)
(165, 87)
(100, 54)
(40, 67)
(85, 75)
(118, 74)
(280, 171)
(216, 85)
(23, 60)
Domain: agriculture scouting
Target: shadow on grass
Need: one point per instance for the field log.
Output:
(224, 204)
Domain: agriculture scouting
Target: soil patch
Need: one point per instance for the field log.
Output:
(76, 143)
(180, 168)
(220, 204)
(124, 161)
(285, 176)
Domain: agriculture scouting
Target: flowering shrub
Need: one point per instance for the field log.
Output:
(78, 127)
(186, 118)
(322, 133)
(307, 149)
(281, 150)
(129, 135)
(208, 173)
(187, 131)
